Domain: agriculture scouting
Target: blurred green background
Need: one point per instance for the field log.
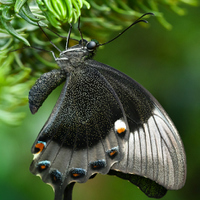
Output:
(167, 63)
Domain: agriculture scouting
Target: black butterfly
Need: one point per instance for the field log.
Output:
(103, 122)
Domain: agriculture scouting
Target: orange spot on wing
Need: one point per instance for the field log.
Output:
(76, 175)
(43, 167)
(113, 153)
(39, 146)
(121, 130)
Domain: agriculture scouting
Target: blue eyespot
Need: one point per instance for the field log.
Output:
(56, 176)
(99, 164)
(43, 165)
(113, 152)
(77, 173)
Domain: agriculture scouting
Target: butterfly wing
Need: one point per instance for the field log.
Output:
(84, 134)
(105, 121)
(154, 148)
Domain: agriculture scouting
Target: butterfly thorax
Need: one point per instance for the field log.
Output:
(75, 56)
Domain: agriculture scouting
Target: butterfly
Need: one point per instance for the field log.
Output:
(103, 122)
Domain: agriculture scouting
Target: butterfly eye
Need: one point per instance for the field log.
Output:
(91, 45)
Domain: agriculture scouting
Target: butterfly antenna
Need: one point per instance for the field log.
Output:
(68, 37)
(79, 19)
(48, 38)
(137, 21)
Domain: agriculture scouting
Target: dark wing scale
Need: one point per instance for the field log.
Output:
(78, 140)
(51, 119)
(154, 148)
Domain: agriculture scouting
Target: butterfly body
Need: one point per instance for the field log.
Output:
(103, 122)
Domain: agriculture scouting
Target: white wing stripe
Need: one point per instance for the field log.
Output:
(171, 174)
(157, 138)
(137, 154)
(150, 166)
(130, 162)
(171, 145)
(143, 151)
(154, 150)
(165, 162)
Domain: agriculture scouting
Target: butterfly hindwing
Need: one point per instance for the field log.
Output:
(154, 148)
(81, 136)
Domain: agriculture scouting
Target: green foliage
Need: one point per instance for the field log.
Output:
(19, 27)
(102, 13)
(14, 86)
